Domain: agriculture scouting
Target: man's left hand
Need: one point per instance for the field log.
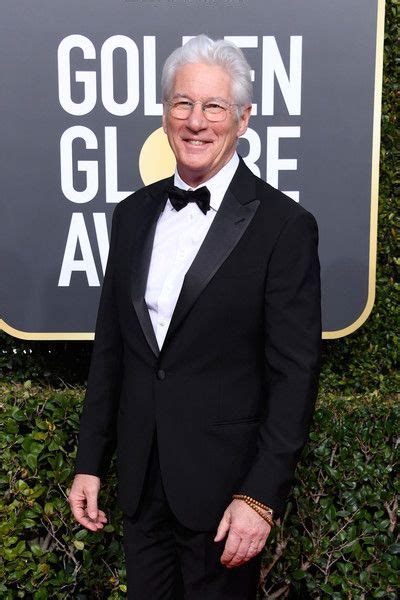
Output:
(248, 532)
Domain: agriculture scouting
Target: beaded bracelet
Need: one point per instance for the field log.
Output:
(258, 507)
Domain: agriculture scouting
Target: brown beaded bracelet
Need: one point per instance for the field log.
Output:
(258, 507)
(254, 501)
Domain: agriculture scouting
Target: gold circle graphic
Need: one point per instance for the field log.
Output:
(156, 159)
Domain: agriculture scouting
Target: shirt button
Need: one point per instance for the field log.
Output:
(161, 323)
(161, 374)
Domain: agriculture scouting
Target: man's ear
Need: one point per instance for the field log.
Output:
(244, 120)
(164, 123)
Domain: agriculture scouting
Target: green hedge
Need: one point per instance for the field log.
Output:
(338, 533)
(368, 358)
(364, 361)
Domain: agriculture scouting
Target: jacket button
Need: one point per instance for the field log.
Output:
(161, 374)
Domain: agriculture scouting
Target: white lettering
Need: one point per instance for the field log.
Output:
(113, 195)
(78, 235)
(254, 150)
(276, 164)
(132, 75)
(88, 166)
(151, 107)
(88, 78)
(290, 86)
(100, 225)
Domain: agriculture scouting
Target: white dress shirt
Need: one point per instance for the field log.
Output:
(178, 237)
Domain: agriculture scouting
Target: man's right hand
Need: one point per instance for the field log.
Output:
(83, 501)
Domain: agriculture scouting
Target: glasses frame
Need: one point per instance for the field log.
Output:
(224, 104)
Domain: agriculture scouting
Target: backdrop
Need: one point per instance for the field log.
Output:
(81, 98)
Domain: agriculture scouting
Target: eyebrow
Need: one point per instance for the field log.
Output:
(187, 96)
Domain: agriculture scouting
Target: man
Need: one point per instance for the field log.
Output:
(207, 349)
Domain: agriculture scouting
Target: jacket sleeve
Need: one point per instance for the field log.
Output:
(97, 432)
(292, 360)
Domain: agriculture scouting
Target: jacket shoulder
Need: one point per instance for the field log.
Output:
(135, 200)
(274, 204)
(277, 204)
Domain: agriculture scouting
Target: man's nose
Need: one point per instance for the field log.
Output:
(197, 119)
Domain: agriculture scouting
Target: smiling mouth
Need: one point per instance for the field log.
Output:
(196, 142)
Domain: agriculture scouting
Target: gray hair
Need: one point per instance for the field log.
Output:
(224, 54)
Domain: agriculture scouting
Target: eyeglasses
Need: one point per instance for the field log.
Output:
(213, 110)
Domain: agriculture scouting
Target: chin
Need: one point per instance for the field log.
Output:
(195, 167)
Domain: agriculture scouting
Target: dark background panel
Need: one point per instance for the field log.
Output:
(333, 152)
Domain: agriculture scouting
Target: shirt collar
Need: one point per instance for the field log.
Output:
(218, 184)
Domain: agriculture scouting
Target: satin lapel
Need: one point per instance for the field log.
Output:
(231, 221)
(141, 255)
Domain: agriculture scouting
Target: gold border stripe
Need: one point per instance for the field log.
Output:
(376, 138)
(27, 335)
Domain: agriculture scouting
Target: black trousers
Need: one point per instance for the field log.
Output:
(167, 561)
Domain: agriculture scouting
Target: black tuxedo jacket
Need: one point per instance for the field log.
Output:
(231, 393)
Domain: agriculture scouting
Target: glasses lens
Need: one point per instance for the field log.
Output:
(181, 109)
(214, 111)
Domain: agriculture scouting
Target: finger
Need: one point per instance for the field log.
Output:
(263, 540)
(79, 511)
(102, 517)
(261, 546)
(91, 504)
(223, 527)
(92, 525)
(252, 550)
(241, 552)
(231, 546)
(82, 518)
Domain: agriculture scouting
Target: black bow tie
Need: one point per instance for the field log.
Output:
(180, 198)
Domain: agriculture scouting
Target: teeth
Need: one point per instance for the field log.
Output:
(196, 142)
